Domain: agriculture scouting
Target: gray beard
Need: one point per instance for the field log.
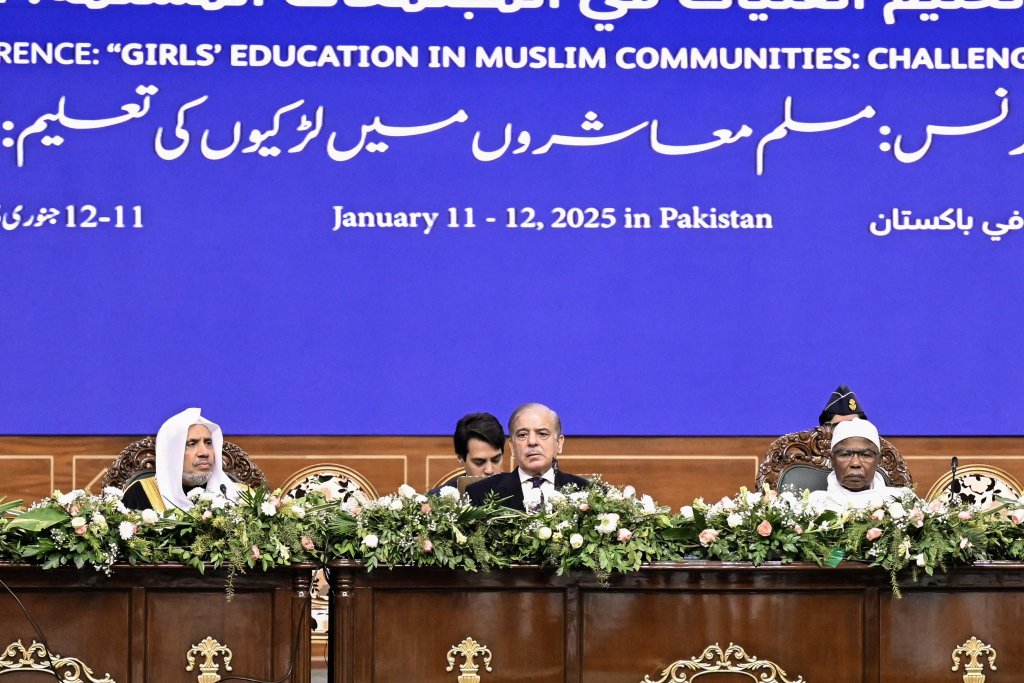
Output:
(194, 479)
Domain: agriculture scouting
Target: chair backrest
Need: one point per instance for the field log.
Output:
(455, 472)
(138, 460)
(341, 479)
(978, 485)
(809, 455)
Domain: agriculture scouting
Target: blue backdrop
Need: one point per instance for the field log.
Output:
(891, 261)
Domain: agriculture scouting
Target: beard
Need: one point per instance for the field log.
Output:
(193, 479)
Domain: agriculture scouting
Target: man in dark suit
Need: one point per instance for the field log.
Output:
(536, 435)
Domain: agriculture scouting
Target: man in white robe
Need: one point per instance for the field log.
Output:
(854, 481)
(189, 452)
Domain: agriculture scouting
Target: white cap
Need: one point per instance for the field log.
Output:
(853, 428)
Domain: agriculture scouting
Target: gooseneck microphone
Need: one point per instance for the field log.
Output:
(954, 484)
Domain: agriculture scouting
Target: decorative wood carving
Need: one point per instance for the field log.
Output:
(812, 447)
(139, 456)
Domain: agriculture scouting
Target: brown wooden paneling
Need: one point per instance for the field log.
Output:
(412, 632)
(626, 634)
(926, 624)
(139, 623)
(674, 470)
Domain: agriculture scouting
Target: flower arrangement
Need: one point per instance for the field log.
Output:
(601, 528)
(409, 528)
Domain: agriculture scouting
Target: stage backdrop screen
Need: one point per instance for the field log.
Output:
(660, 217)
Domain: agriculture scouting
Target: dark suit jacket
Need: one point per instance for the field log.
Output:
(506, 485)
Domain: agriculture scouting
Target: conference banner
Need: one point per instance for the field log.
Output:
(660, 217)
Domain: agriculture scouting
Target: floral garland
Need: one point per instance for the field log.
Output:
(601, 528)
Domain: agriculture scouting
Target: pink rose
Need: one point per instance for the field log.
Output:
(625, 534)
(425, 508)
(764, 528)
(275, 501)
(935, 506)
(207, 515)
(81, 530)
(707, 537)
(771, 494)
(964, 515)
(584, 507)
(255, 553)
(1017, 516)
(877, 515)
(916, 517)
(798, 529)
(427, 545)
(873, 534)
(307, 543)
(73, 509)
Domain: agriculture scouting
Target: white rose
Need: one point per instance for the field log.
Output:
(77, 522)
(218, 503)
(553, 497)
(576, 541)
(371, 541)
(897, 510)
(607, 523)
(629, 492)
(113, 491)
(579, 496)
(788, 498)
(150, 516)
(449, 492)
(350, 506)
(268, 508)
(876, 502)
(686, 511)
(727, 503)
(754, 498)
(99, 519)
(531, 500)
(406, 491)
(195, 493)
(648, 504)
(127, 530)
(396, 504)
(69, 498)
(544, 533)
(383, 501)
(734, 520)
(298, 511)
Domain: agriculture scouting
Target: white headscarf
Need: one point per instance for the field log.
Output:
(170, 455)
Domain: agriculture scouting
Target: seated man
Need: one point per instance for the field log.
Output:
(479, 445)
(536, 434)
(854, 480)
(188, 455)
(842, 405)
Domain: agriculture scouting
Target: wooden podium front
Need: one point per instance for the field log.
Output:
(785, 623)
(140, 625)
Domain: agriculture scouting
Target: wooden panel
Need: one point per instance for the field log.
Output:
(926, 626)
(413, 631)
(86, 632)
(243, 625)
(630, 635)
(26, 477)
(670, 479)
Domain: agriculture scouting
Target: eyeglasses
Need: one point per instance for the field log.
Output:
(865, 455)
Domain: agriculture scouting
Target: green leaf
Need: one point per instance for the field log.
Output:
(39, 519)
(835, 557)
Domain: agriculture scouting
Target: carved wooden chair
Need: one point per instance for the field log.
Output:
(455, 472)
(803, 460)
(138, 461)
(977, 485)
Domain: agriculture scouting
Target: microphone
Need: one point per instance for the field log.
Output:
(224, 489)
(954, 483)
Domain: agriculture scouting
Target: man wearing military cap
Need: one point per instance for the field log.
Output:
(842, 406)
